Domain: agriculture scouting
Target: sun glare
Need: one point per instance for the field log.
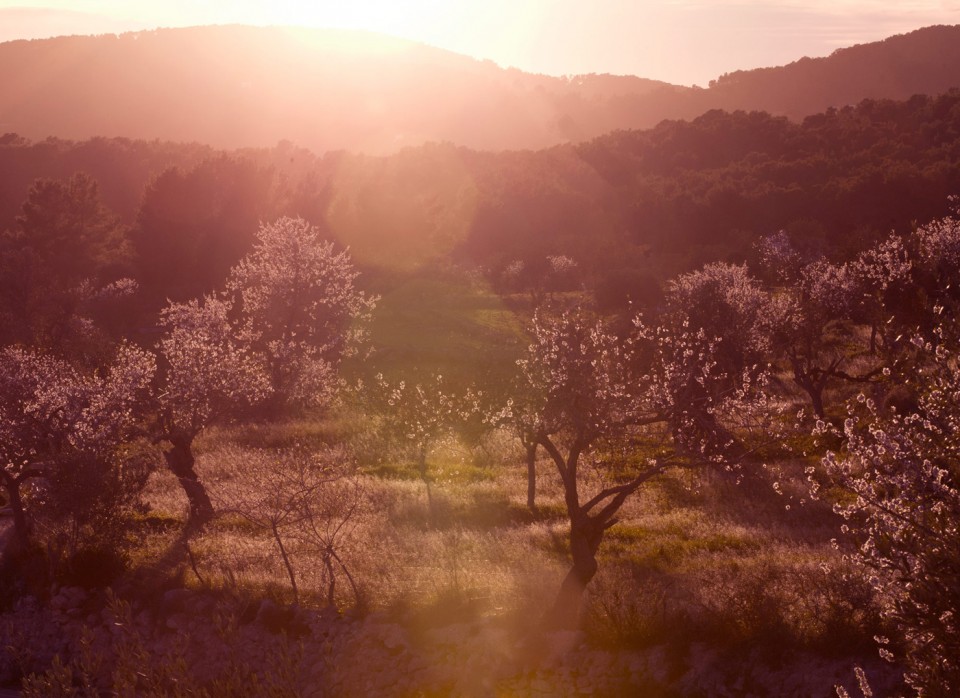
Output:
(474, 29)
(407, 19)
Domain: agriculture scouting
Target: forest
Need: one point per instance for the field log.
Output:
(667, 412)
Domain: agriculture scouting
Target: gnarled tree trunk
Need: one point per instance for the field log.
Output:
(21, 528)
(180, 459)
(814, 389)
(585, 537)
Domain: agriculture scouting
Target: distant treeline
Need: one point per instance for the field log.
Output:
(663, 200)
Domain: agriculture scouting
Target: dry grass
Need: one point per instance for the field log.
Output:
(694, 555)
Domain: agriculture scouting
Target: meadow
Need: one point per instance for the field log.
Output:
(711, 583)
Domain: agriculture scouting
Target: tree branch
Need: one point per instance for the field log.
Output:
(625, 489)
(555, 454)
(862, 378)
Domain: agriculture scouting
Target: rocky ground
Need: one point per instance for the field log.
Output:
(199, 638)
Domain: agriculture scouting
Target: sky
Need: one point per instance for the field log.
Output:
(680, 41)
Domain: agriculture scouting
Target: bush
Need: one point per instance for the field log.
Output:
(93, 568)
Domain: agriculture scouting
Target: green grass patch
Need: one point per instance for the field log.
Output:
(308, 433)
(392, 470)
(667, 546)
(431, 322)
(453, 472)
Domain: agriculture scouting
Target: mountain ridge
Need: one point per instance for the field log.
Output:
(234, 86)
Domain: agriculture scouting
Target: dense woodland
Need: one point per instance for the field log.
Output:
(627, 205)
(699, 382)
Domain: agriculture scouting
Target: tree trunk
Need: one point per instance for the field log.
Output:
(286, 563)
(422, 471)
(814, 389)
(804, 379)
(585, 537)
(353, 584)
(331, 581)
(532, 477)
(21, 529)
(180, 460)
(816, 399)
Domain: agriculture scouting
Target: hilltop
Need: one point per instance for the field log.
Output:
(239, 86)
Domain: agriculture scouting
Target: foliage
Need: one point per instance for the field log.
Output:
(58, 263)
(72, 431)
(72, 233)
(209, 373)
(195, 223)
(903, 512)
(300, 308)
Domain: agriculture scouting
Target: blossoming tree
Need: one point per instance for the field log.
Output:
(593, 388)
(52, 415)
(299, 307)
(209, 376)
(901, 470)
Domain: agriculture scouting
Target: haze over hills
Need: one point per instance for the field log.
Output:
(237, 86)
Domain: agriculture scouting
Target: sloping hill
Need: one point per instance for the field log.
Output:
(926, 61)
(235, 86)
(239, 86)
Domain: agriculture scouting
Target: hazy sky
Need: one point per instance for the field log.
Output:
(681, 41)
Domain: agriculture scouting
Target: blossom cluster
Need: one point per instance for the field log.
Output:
(299, 307)
(209, 373)
(901, 470)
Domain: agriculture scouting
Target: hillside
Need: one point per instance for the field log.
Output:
(240, 86)
(654, 202)
(235, 86)
(926, 61)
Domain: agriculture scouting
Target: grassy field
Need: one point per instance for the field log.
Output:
(698, 565)
(441, 322)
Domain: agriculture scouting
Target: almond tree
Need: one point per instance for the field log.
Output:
(331, 517)
(878, 273)
(209, 376)
(53, 416)
(299, 308)
(420, 414)
(901, 470)
(811, 319)
(810, 327)
(728, 305)
(935, 251)
(593, 389)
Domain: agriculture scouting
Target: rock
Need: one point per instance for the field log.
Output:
(178, 622)
(277, 619)
(176, 600)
